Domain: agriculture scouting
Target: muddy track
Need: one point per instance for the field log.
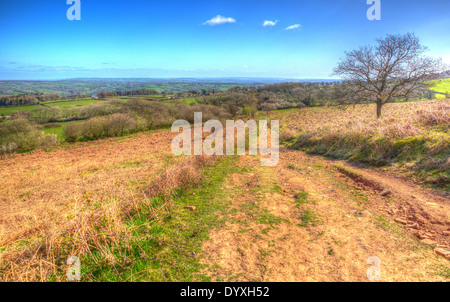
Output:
(347, 215)
(424, 211)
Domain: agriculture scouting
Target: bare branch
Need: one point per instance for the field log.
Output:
(395, 68)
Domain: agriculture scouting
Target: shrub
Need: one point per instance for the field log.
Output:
(47, 114)
(247, 110)
(159, 115)
(94, 128)
(49, 141)
(120, 123)
(268, 107)
(14, 127)
(22, 135)
(117, 124)
(301, 105)
(72, 131)
(156, 114)
(10, 148)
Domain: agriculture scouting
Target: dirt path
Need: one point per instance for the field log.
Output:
(311, 219)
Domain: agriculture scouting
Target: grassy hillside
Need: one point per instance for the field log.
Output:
(82, 103)
(442, 86)
(412, 137)
(12, 109)
(131, 211)
(73, 103)
(59, 103)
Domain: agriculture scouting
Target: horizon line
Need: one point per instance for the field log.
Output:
(174, 78)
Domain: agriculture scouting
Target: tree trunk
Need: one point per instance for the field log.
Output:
(379, 104)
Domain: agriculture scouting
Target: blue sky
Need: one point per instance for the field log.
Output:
(167, 38)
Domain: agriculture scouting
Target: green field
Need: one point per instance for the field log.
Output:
(60, 103)
(6, 111)
(186, 100)
(57, 130)
(10, 110)
(81, 102)
(442, 86)
(73, 103)
(189, 100)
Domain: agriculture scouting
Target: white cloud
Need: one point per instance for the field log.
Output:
(270, 23)
(293, 27)
(217, 20)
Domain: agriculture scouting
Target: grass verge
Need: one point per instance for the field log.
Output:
(148, 238)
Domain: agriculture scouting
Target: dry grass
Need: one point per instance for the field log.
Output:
(184, 175)
(414, 134)
(325, 119)
(76, 200)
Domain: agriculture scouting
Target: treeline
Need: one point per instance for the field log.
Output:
(27, 99)
(52, 114)
(330, 93)
(100, 120)
(247, 100)
(310, 94)
(105, 94)
(75, 96)
(139, 115)
(33, 99)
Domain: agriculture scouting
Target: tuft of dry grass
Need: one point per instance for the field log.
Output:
(287, 134)
(185, 174)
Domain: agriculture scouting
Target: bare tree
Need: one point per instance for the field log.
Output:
(268, 107)
(395, 68)
(120, 122)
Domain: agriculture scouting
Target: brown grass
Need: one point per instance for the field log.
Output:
(178, 177)
(76, 200)
(362, 117)
(415, 135)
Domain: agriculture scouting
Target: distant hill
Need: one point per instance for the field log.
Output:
(91, 86)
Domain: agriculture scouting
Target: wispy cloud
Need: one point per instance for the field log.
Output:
(270, 23)
(293, 27)
(44, 68)
(217, 20)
